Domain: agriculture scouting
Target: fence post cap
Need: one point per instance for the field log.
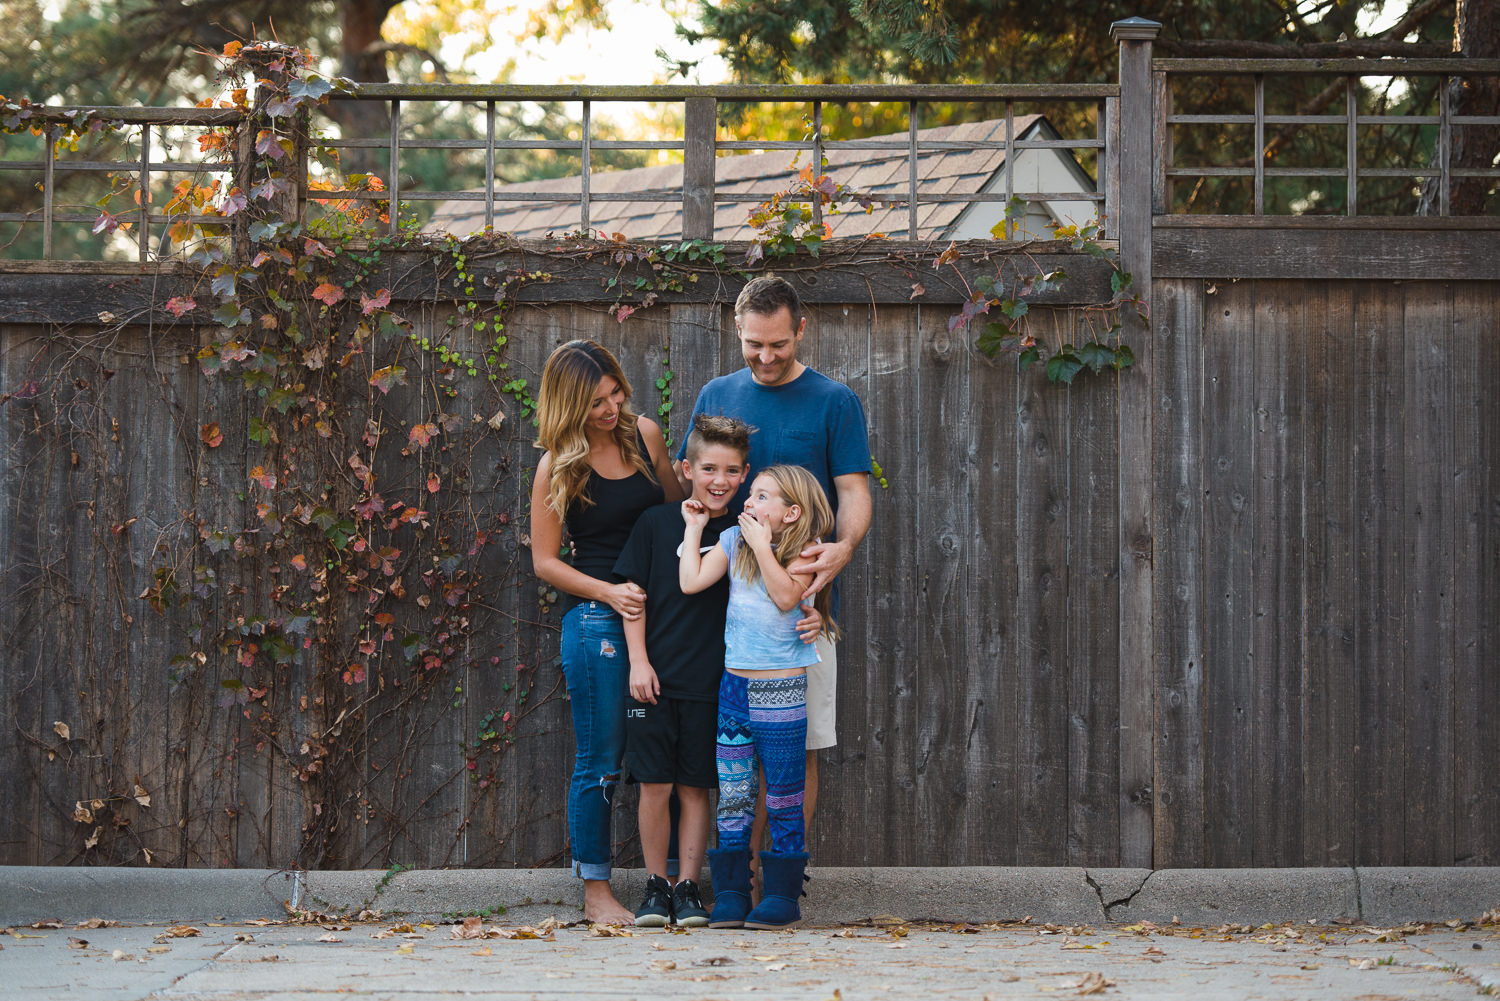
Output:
(1134, 29)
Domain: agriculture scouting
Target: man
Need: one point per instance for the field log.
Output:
(801, 417)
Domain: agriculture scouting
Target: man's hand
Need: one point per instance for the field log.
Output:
(824, 560)
(811, 623)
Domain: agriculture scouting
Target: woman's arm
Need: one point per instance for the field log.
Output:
(783, 587)
(661, 463)
(546, 539)
(697, 572)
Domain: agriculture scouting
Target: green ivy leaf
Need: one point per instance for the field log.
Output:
(1096, 356)
(1064, 366)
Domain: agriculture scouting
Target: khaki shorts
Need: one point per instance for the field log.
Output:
(822, 690)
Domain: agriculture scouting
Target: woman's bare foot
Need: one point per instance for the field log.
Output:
(600, 905)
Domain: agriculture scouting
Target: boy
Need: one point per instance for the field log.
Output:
(676, 659)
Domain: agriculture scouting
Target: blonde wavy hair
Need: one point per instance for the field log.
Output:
(800, 487)
(570, 381)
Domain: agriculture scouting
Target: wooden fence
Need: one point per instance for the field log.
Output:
(1233, 607)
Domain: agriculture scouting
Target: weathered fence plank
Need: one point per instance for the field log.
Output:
(993, 684)
(883, 785)
(1043, 578)
(1379, 561)
(1327, 805)
(1228, 666)
(943, 512)
(1177, 600)
(1427, 660)
(1476, 687)
(1278, 571)
(1093, 622)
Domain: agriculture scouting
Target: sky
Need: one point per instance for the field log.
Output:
(625, 54)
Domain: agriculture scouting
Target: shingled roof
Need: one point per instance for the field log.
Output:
(872, 171)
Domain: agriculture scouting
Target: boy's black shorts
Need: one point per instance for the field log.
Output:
(672, 741)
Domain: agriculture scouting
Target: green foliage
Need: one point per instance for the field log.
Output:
(1062, 360)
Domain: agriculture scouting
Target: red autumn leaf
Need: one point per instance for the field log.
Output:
(385, 378)
(421, 434)
(315, 248)
(368, 305)
(299, 561)
(354, 674)
(623, 312)
(384, 619)
(179, 304)
(328, 293)
(266, 144)
(232, 49)
(433, 483)
(211, 435)
(106, 223)
(265, 479)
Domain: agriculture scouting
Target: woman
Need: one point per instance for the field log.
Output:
(603, 466)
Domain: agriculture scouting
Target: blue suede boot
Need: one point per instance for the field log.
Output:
(731, 877)
(781, 885)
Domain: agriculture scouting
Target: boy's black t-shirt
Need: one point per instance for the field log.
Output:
(684, 632)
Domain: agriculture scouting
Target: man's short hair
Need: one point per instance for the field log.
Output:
(765, 296)
(713, 429)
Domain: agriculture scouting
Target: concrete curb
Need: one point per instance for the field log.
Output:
(835, 895)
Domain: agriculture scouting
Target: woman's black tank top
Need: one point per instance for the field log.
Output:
(599, 530)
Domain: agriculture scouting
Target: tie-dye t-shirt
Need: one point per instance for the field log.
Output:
(758, 636)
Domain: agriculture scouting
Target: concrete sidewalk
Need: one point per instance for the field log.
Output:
(416, 962)
(1068, 896)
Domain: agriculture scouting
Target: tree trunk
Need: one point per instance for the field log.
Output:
(1477, 36)
(363, 61)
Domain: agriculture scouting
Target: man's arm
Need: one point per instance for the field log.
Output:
(825, 560)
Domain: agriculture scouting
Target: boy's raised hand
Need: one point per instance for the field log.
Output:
(694, 514)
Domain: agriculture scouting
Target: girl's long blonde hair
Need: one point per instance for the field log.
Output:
(569, 382)
(800, 487)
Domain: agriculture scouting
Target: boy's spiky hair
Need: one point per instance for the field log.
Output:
(713, 429)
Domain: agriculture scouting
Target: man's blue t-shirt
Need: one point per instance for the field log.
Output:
(812, 421)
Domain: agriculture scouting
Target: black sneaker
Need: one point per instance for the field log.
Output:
(688, 906)
(656, 908)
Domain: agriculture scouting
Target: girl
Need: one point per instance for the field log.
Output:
(763, 693)
(602, 468)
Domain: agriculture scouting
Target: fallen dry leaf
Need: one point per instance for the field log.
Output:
(78, 943)
(97, 923)
(1094, 983)
(716, 961)
(47, 923)
(405, 949)
(93, 839)
(141, 795)
(158, 949)
(663, 965)
(486, 951)
(180, 931)
(472, 927)
(61, 729)
(609, 931)
(328, 937)
(773, 968)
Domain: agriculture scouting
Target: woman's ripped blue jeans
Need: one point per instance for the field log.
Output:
(596, 667)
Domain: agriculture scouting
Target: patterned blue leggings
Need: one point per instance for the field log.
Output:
(762, 721)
